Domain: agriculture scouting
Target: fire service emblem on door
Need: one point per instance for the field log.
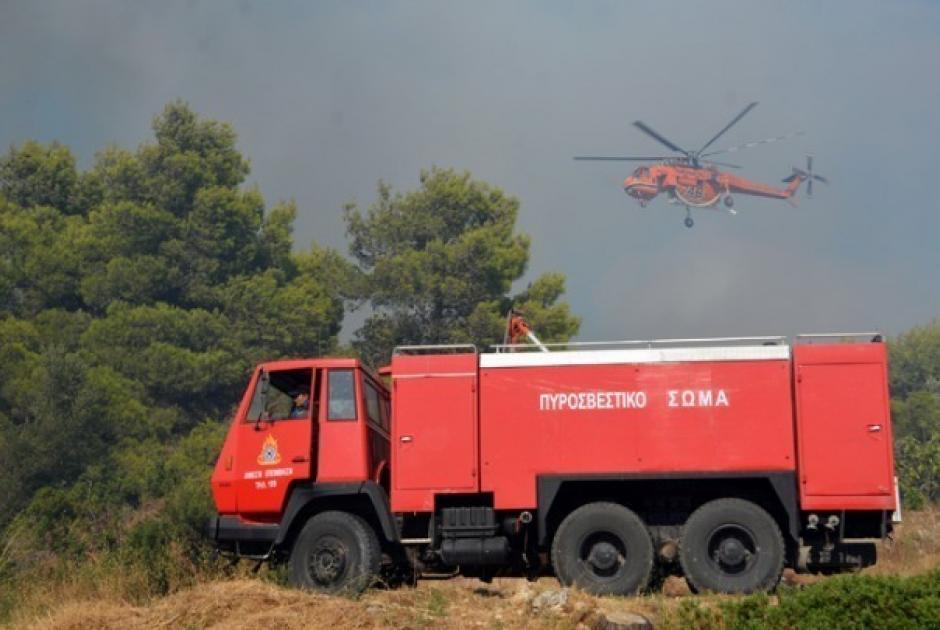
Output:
(269, 454)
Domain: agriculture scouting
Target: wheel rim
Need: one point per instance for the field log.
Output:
(327, 561)
(732, 549)
(603, 555)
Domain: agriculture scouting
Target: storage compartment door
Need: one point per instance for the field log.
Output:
(435, 438)
(844, 430)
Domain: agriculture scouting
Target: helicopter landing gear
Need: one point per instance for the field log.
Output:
(688, 217)
(729, 202)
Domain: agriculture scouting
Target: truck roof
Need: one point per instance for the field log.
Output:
(320, 362)
(327, 362)
(765, 348)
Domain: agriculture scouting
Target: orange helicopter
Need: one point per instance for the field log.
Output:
(694, 180)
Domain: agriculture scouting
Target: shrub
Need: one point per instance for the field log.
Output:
(848, 601)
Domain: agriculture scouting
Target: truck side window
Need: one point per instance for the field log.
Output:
(288, 396)
(385, 414)
(372, 405)
(342, 396)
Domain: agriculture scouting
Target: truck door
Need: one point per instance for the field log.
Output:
(844, 428)
(275, 440)
(434, 437)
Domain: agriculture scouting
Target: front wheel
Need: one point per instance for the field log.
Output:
(603, 548)
(731, 546)
(335, 552)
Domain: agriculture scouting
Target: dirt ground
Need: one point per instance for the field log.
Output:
(454, 603)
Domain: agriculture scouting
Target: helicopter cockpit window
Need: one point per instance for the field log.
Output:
(642, 172)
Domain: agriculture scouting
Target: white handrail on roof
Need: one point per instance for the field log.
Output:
(418, 349)
(649, 343)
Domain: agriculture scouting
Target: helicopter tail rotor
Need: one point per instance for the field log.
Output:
(808, 176)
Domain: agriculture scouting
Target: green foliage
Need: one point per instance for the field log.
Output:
(134, 299)
(915, 410)
(849, 601)
(189, 157)
(861, 601)
(692, 615)
(915, 360)
(44, 175)
(918, 469)
(38, 264)
(917, 416)
(438, 264)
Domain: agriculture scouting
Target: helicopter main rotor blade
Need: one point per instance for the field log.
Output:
(729, 126)
(725, 164)
(649, 131)
(613, 158)
(749, 145)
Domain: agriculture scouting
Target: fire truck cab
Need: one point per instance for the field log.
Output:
(724, 460)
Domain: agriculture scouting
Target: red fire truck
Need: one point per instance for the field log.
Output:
(725, 459)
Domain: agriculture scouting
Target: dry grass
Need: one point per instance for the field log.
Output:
(456, 603)
(243, 603)
(915, 547)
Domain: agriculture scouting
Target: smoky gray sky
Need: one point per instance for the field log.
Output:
(329, 97)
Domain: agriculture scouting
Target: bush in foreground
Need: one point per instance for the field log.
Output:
(849, 601)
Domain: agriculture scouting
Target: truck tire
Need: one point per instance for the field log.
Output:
(731, 546)
(335, 552)
(603, 548)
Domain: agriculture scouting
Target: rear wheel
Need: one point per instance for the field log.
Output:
(603, 548)
(731, 546)
(335, 552)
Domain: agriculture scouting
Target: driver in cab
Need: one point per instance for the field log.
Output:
(300, 406)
